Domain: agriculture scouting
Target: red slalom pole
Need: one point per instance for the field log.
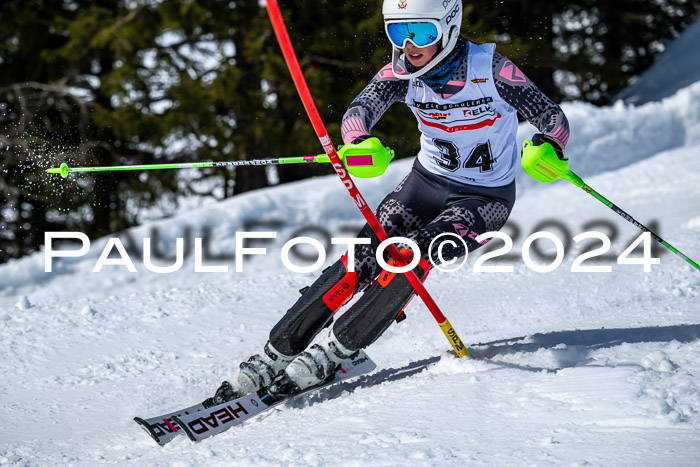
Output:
(285, 43)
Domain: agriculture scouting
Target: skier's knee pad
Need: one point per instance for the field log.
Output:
(314, 310)
(380, 305)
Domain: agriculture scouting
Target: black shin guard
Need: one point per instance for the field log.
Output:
(381, 304)
(314, 310)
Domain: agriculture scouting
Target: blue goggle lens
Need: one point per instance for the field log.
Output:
(420, 33)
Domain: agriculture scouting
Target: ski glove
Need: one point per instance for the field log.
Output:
(539, 139)
(543, 160)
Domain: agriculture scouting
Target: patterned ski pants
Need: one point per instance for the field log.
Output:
(424, 206)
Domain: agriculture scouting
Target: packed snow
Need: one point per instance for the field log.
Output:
(564, 368)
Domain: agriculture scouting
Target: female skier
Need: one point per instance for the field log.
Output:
(465, 99)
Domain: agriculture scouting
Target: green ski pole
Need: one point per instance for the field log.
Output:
(64, 169)
(542, 164)
(365, 160)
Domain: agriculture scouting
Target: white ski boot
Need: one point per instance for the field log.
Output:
(252, 375)
(318, 363)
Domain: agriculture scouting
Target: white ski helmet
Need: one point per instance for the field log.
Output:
(446, 15)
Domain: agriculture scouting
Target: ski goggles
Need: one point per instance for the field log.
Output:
(421, 33)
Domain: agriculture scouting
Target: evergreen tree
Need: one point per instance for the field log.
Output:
(585, 50)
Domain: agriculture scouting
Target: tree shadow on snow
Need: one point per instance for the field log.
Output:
(570, 349)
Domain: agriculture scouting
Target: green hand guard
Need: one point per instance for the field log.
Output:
(366, 159)
(542, 164)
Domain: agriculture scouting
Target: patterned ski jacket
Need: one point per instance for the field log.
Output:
(468, 128)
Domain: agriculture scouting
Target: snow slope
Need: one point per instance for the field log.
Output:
(565, 368)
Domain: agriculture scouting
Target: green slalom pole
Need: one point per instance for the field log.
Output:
(64, 170)
(542, 164)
